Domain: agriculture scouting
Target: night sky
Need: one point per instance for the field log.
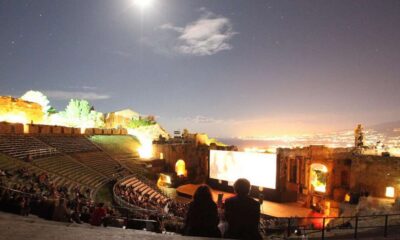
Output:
(226, 67)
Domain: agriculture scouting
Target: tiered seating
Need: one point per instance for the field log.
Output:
(71, 169)
(130, 161)
(142, 188)
(102, 163)
(8, 164)
(24, 147)
(69, 144)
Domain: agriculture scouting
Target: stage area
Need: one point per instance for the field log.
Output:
(268, 208)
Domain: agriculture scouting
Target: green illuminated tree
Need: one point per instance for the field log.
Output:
(79, 113)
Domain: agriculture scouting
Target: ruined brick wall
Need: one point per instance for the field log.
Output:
(375, 173)
(66, 130)
(11, 128)
(195, 157)
(76, 131)
(56, 130)
(336, 160)
(18, 110)
(347, 170)
(120, 118)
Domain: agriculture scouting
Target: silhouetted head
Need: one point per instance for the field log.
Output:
(202, 194)
(242, 187)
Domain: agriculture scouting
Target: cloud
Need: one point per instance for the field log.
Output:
(169, 26)
(120, 53)
(62, 95)
(200, 119)
(89, 87)
(206, 36)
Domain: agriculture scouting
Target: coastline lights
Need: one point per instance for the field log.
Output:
(389, 192)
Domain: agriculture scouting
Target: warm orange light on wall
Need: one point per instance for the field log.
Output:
(347, 197)
(180, 168)
(389, 192)
(318, 177)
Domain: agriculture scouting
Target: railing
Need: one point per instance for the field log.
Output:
(350, 227)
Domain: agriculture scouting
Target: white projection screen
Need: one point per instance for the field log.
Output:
(258, 168)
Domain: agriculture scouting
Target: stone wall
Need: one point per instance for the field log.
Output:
(76, 131)
(195, 157)
(106, 131)
(11, 128)
(347, 172)
(121, 118)
(20, 111)
(375, 173)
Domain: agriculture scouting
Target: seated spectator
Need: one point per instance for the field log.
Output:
(98, 215)
(242, 213)
(46, 209)
(61, 212)
(85, 214)
(202, 217)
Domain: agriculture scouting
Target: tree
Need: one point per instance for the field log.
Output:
(79, 113)
(39, 98)
(78, 109)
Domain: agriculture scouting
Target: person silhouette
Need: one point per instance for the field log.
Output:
(242, 213)
(202, 217)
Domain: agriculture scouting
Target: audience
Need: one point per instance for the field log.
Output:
(60, 212)
(242, 213)
(37, 194)
(98, 215)
(202, 217)
(162, 205)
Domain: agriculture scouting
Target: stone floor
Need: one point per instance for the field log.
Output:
(14, 227)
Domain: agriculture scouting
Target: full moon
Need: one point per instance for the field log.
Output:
(142, 4)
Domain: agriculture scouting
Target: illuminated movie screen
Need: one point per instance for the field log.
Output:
(258, 168)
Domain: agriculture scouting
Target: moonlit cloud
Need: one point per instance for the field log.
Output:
(206, 36)
(202, 119)
(65, 95)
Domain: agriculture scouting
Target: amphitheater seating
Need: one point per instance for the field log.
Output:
(71, 169)
(130, 161)
(7, 163)
(69, 144)
(24, 147)
(11, 165)
(142, 188)
(102, 163)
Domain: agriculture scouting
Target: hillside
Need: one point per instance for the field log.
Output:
(117, 144)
